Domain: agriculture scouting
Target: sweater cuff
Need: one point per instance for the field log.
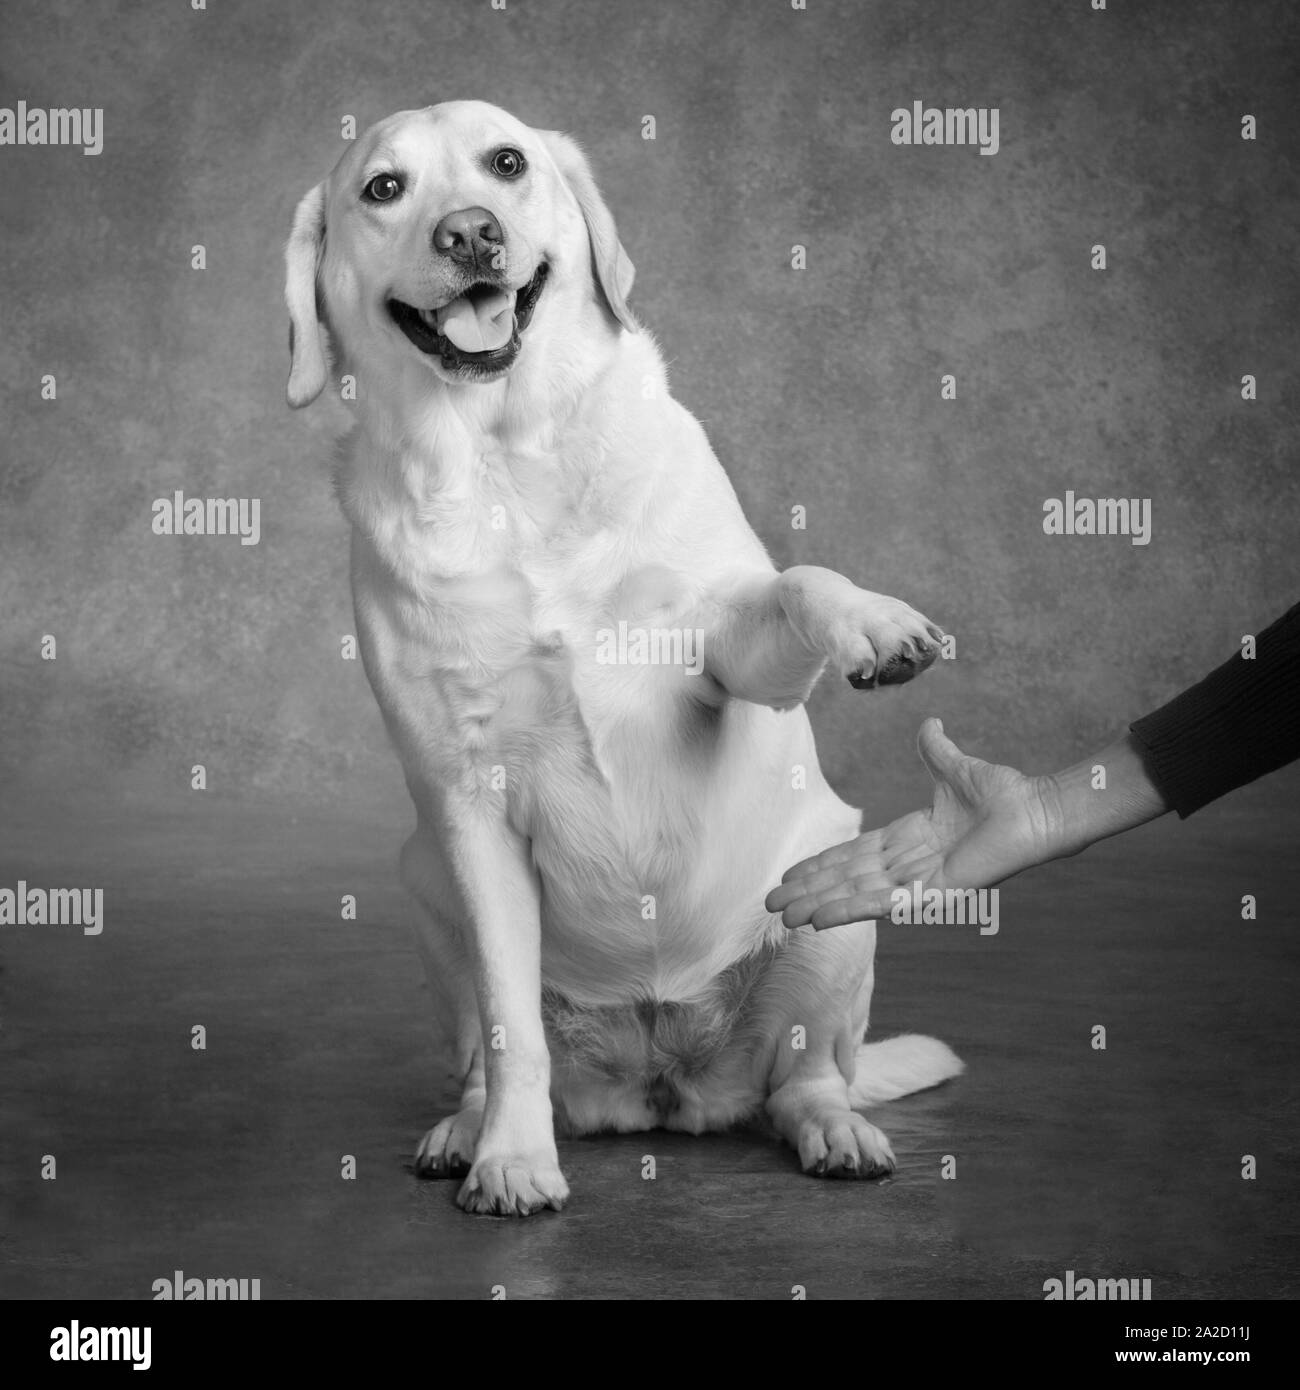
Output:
(1240, 722)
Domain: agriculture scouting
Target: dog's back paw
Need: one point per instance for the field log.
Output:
(447, 1150)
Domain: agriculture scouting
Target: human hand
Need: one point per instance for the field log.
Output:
(987, 822)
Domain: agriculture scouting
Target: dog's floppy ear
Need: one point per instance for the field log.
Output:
(614, 272)
(308, 370)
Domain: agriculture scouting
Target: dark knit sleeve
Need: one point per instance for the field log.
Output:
(1241, 721)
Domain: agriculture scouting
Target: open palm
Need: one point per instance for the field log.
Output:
(987, 823)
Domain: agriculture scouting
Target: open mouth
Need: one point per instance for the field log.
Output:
(478, 334)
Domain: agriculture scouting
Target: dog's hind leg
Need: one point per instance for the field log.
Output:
(814, 1003)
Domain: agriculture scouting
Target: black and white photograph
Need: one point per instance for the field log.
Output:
(651, 652)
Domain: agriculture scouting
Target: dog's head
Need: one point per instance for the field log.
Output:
(453, 238)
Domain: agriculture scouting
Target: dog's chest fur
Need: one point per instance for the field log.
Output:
(501, 578)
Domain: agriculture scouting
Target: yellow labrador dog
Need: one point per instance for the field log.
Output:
(593, 673)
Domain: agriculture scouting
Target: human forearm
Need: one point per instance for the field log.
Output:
(1105, 794)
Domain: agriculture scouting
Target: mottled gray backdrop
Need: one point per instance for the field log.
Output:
(819, 387)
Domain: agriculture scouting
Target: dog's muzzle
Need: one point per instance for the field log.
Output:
(479, 333)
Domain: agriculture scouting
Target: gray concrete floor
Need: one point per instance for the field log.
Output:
(226, 1162)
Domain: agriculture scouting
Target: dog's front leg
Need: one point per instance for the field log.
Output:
(475, 875)
(771, 635)
(516, 1169)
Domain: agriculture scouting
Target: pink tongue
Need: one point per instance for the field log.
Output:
(480, 325)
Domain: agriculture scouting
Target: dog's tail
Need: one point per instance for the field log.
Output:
(899, 1066)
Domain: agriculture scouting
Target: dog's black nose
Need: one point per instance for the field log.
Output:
(468, 235)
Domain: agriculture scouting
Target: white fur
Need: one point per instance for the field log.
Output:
(897, 1067)
(497, 527)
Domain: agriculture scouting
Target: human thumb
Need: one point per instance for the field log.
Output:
(938, 752)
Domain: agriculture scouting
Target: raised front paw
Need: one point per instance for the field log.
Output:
(871, 639)
(447, 1150)
(513, 1185)
(883, 641)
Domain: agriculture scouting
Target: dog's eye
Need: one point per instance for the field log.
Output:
(383, 188)
(508, 163)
